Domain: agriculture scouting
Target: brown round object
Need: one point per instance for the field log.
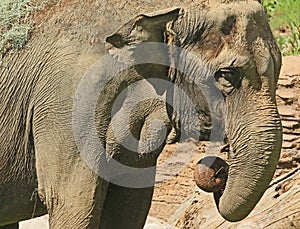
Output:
(210, 174)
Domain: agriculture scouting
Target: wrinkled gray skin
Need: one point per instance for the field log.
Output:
(235, 46)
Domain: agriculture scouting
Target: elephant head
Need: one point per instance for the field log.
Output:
(232, 46)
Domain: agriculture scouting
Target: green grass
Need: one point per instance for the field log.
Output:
(284, 18)
(16, 22)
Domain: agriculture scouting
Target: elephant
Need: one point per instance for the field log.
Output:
(81, 143)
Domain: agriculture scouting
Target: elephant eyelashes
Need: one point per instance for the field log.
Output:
(228, 80)
(116, 40)
(139, 28)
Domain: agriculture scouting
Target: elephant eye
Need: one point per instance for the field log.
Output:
(228, 80)
(139, 28)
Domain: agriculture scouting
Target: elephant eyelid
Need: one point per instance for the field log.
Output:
(139, 28)
(230, 74)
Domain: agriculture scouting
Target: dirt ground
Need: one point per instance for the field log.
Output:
(175, 177)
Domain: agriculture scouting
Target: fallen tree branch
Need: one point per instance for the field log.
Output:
(284, 177)
(285, 118)
(278, 208)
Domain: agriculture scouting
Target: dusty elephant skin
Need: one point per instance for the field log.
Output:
(231, 45)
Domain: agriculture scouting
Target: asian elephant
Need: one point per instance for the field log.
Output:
(53, 109)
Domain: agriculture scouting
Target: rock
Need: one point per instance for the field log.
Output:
(290, 137)
(287, 82)
(154, 223)
(288, 145)
(286, 111)
(36, 223)
(286, 94)
(290, 124)
(289, 68)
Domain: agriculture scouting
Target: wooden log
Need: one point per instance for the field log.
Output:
(278, 208)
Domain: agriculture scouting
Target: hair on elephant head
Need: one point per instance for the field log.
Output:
(226, 49)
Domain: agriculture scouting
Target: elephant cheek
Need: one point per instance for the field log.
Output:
(255, 135)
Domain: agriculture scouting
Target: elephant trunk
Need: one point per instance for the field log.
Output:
(254, 132)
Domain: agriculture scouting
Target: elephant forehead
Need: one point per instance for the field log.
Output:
(231, 30)
(242, 17)
(242, 8)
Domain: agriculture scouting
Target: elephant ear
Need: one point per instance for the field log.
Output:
(127, 43)
(143, 28)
